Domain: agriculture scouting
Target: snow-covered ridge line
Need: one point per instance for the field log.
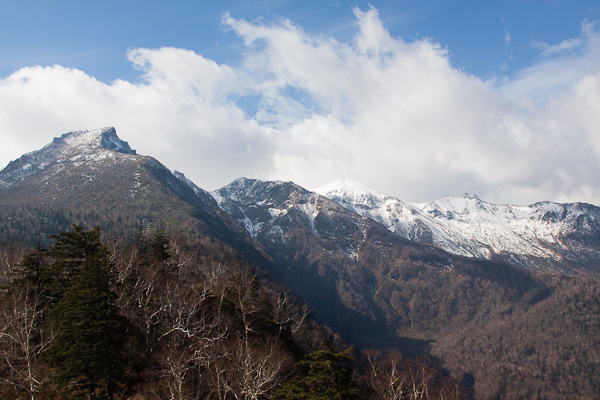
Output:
(469, 226)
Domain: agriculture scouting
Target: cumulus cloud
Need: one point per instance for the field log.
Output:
(392, 114)
(179, 113)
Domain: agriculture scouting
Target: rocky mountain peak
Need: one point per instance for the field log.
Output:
(89, 140)
(248, 190)
(470, 196)
(76, 146)
(543, 233)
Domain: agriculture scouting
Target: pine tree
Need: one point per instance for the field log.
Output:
(326, 379)
(159, 248)
(88, 350)
(31, 270)
(69, 251)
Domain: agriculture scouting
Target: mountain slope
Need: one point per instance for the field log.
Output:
(332, 258)
(381, 290)
(543, 235)
(75, 147)
(93, 177)
(94, 172)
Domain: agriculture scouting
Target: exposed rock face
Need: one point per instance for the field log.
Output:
(543, 235)
(382, 272)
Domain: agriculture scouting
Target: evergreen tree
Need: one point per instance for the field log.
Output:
(326, 379)
(69, 252)
(31, 270)
(159, 248)
(88, 350)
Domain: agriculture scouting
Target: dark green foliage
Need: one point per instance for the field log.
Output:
(71, 247)
(70, 251)
(32, 268)
(326, 378)
(87, 352)
(30, 223)
(159, 248)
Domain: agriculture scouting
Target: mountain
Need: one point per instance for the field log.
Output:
(545, 235)
(511, 332)
(379, 289)
(93, 175)
(331, 257)
(75, 147)
(94, 178)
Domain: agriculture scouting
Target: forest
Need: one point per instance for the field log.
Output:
(168, 316)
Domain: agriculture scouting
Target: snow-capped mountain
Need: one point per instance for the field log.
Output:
(545, 234)
(325, 251)
(381, 272)
(94, 177)
(257, 204)
(74, 147)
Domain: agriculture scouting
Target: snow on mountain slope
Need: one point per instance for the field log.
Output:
(256, 204)
(471, 227)
(76, 147)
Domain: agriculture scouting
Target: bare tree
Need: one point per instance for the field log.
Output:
(217, 369)
(421, 378)
(249, 369)
(247, 300)
(261, 368)
(386, 376)
(175, 369)
(286, 314)
(392, 377)
(22, 335)
(188, 338)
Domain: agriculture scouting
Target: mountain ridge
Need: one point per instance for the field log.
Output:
(559, 236)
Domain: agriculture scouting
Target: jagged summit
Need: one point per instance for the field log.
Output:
(94, 177)
(90, 140)
(268, 201)
(243, 187)
(76, 146)
(470, 196)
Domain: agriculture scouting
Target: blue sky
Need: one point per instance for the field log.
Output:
(94, 36)
(419, 99)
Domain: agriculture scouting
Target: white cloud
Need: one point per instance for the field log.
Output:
(392, 114)
(507, 37)
(548, 49)
(179, 113)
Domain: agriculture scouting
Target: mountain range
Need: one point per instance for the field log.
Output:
(490, 290)
(548, 235)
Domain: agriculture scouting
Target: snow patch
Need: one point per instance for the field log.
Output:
(467, 225)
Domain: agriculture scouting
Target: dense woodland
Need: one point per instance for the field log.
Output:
(521, 334)
(167, 316)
